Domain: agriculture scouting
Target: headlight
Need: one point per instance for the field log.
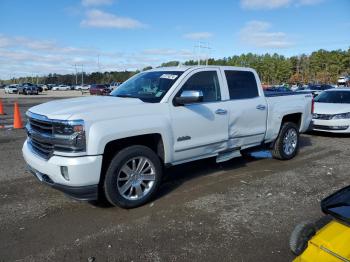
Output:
(72, 131)
(342, 116)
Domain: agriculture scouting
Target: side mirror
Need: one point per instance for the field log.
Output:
(189, 97)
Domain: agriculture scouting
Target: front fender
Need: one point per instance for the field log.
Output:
(103, 132)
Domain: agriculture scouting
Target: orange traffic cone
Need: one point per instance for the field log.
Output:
(1, 108)
(17, 119)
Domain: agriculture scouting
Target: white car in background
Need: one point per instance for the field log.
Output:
(294, 88)
(82, 87)
(61, 87)
(44, 87)
(343, 81)
(114, 85)
(11, 89)
(332, 111)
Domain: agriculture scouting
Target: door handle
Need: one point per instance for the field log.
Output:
(260, 107)
(221, 111)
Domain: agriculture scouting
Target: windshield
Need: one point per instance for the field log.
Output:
(338, 97)
(148, 86)
(338, 205)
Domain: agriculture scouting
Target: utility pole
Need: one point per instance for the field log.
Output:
(82, 74)
(199, 53)
(76, 74)
(204, 46)
(98, 63)
(207, 55)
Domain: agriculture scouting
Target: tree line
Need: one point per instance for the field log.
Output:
(72, 79)
(318, 67)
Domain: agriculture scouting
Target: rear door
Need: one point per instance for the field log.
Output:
(200, 129)
(247, 108)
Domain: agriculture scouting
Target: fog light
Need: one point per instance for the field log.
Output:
(64, 172)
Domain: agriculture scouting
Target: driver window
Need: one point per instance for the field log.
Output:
(207, 82)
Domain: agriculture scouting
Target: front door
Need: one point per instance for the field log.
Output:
(200, 129)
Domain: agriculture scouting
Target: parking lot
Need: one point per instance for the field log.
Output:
(240, 210)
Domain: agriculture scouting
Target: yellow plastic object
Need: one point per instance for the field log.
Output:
(330, 244)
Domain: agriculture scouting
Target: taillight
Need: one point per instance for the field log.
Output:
(312, 106)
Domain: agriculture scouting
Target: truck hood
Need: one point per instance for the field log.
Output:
(331, 108)
(65, 109)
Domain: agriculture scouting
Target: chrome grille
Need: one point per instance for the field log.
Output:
(41, 126)
(45, 150)
(40, 132)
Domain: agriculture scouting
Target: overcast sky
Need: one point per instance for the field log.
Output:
(41, 37)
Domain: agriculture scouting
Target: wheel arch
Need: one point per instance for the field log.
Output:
(153, 141)
(295, 118)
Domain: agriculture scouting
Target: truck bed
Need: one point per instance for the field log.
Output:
(291, 93)
(286, 103)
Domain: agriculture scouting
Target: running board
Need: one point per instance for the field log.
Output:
(228, 155)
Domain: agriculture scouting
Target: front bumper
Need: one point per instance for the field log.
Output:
(84, 173)
(333, 126)
(76, 192)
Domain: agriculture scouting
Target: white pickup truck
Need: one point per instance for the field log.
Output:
(118, 146)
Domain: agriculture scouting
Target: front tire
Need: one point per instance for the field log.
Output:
(133, 177)
(286, 145)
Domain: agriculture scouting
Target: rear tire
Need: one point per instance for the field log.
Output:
(286, 145)
(133, 177)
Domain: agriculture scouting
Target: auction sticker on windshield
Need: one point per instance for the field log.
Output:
(168, 76)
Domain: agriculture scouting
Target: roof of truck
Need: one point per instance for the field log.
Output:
(185, 68)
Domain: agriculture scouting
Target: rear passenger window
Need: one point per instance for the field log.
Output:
(241, 84)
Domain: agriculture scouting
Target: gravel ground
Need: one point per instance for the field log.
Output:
(240, 210)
